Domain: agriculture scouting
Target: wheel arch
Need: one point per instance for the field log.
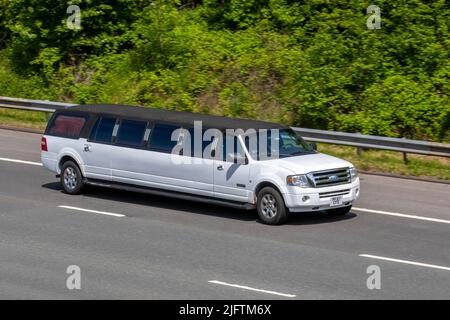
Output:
(283, 215)
(69, 156)
(269, 182)
(264, 184)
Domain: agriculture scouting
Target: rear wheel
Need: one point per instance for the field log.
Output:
(270, 206)
(71, 178)
(339, 211)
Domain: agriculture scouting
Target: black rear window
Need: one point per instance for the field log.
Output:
(103, 129)
(161, 137)
(67, 125)
(131, 132)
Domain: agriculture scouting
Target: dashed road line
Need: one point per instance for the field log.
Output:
(402, 215)
(252, 289)
(420, 264)
(93, 211)
(21, 161)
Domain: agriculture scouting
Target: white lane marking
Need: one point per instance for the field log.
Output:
(402, 215)
(21, 161)
(253, 289)
(420, 264)
(94, 211)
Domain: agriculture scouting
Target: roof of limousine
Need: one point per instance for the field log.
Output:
(179, 117)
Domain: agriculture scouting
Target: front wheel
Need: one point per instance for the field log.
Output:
(71, 178)
(339, 211)
(270, 206)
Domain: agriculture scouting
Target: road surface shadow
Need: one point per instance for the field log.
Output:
(307, 218)
(53, 186)
(167, 203)
(137, 198)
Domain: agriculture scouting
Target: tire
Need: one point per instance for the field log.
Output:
(71, 178)
(339, 211)
(270, 206)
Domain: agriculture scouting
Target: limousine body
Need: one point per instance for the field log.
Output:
(132, 148)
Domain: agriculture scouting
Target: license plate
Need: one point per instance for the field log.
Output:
(336, 201)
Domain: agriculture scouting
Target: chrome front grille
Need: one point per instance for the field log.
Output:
(334, 193)
(328, 178)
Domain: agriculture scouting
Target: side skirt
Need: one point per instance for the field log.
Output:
(170, 194)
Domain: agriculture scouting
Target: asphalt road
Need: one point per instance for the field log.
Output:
(169, 249)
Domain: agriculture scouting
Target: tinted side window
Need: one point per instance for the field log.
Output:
(68, 126)
(103, 129)
(203, 143)
(131, 132)
(161, 137)
(255, 150)
(235, 147)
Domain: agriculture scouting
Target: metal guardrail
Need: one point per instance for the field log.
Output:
(376, 142)
(331, 137)
(33, 105)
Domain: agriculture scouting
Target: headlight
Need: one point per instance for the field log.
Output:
(299, 180)
(353, 174)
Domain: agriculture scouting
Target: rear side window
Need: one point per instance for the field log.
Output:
(131, 132)
(161, 137)
(68, 126)
(103, 129)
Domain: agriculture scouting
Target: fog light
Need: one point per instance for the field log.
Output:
(357, 191)
(305, 198)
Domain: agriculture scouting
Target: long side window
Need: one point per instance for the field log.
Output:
(131, 133)
(234, 147)
(103, 129)
(202, 143)
(67, 126)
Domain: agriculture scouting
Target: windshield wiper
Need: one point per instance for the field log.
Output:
(297, 153)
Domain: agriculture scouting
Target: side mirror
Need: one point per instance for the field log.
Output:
(237, 158)
(313, 145)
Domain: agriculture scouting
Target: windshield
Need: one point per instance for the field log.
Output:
(273, 144)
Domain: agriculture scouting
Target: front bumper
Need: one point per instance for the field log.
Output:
(319, 198)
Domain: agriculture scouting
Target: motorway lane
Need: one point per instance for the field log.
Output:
(378, 192)
(20, 145)
(171, 249)
(405, 196)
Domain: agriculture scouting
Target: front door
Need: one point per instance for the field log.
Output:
(231, 180)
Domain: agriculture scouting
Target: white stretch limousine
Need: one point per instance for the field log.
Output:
(239, 163)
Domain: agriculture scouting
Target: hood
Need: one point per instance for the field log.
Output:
(310, 162)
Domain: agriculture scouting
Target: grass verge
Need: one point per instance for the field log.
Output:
(392, 162)
(22, 118)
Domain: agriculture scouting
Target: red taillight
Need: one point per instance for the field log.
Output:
(44, 144)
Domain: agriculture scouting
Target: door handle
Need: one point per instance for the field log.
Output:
(220, 167)
(87, 147)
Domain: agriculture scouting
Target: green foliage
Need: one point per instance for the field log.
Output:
(14, 85)
(311, 63)
(401, 107)
(40, 38)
